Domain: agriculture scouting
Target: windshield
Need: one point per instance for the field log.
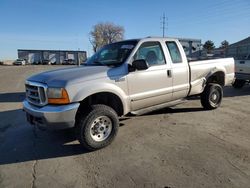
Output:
(112, 54)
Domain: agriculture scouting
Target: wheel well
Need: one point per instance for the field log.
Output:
(218, 78)
(105, 98)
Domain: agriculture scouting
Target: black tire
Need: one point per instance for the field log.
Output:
(239, 83)
(212, 96)
(89, 123)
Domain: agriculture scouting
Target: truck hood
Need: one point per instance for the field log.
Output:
(62, 77)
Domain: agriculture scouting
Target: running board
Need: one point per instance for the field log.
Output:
(157, 107)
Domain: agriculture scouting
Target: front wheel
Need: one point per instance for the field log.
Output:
(96, 126)
(211, 97)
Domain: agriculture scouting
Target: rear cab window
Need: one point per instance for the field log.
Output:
(174, 52)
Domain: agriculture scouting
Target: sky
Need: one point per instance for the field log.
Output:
(66, 24)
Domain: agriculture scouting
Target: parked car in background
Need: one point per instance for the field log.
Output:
(1, 62)
(69, 62)
(242, 72)
(132, 76)
(36, 63)
(20, 62)
(46, 62)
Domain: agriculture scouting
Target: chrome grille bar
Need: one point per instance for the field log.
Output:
(36, 93)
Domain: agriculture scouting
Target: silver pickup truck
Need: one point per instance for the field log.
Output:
(242, 72)
(132, 76)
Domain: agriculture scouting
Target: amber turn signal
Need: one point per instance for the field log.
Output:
(64, 99)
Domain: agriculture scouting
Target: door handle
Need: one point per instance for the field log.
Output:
(169, 72)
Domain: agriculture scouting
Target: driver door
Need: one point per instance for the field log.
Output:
(152, 86)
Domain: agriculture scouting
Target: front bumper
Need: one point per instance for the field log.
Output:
(51, 116)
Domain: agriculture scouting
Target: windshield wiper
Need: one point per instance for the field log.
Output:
(98, 63)
(115, 63)
(95, 63)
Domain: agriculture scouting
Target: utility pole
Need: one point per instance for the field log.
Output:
(164, 24)
(78, 58)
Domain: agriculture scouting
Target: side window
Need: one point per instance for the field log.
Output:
(174, 52)
(151, 52)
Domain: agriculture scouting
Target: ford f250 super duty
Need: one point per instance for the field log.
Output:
(131, 76)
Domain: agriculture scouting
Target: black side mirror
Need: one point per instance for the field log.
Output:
(140, 64)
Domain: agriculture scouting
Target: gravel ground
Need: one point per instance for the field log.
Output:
(183, 146)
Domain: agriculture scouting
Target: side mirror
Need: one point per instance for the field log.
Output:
(140, 64)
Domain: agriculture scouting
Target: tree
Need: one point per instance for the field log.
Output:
(224, 44)
(209, 46)
(105, 33)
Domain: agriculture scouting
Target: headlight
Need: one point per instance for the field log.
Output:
(57, 96)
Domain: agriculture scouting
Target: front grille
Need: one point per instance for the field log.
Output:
(36, 93)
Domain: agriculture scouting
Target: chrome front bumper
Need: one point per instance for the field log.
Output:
(51, 116)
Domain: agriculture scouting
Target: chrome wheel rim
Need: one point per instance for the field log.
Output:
(215, 97)
(101, 128)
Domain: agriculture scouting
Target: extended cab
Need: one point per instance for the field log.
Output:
(242, 72)
(132, 76)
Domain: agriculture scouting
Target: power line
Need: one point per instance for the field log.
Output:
(225, 9)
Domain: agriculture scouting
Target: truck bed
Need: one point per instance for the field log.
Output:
(202, 59)
(200, 70)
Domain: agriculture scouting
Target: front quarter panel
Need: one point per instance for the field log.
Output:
(117, 86)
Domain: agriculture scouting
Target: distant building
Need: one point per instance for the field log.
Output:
(239, 50)
(54, 56)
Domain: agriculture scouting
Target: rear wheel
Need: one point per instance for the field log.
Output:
(96, 127)
(239, 83)
(211, 97)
